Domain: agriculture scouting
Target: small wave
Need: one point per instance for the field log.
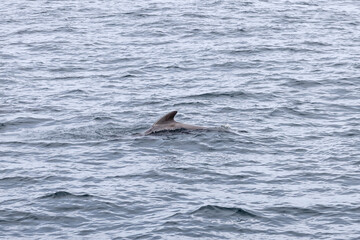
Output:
(218, 211)
(100, 131)
(240, 52)
(23, 122)
(17, 181)
(294, 211)
(16, 217)
(103, 118)
(195, 15)
(302, 84)
(230, 65)
(283, 111)
(64, 194)
(66, 69)
(194, 103)
(75, 91)
(230, 94)
(317, 43)
(30, 31)
(349, 133)
(128, 76)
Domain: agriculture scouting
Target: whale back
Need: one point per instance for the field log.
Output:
(167, 123)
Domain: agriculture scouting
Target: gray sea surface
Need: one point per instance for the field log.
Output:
(277, 81)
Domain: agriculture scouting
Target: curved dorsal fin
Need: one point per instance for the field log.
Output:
(167, 118)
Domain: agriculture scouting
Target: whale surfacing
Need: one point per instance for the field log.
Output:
(167, 123)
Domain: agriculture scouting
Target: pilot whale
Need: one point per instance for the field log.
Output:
(167, 123)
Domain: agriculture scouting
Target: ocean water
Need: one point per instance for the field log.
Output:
(279, 81)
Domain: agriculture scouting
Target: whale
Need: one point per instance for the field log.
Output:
(167, 123)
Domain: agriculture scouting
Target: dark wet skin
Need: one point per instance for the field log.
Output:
(167, 123)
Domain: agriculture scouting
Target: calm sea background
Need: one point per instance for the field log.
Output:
(279, 80)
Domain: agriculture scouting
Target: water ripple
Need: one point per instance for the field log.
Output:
(275, 82)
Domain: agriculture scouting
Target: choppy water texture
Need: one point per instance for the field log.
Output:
(278, 79)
